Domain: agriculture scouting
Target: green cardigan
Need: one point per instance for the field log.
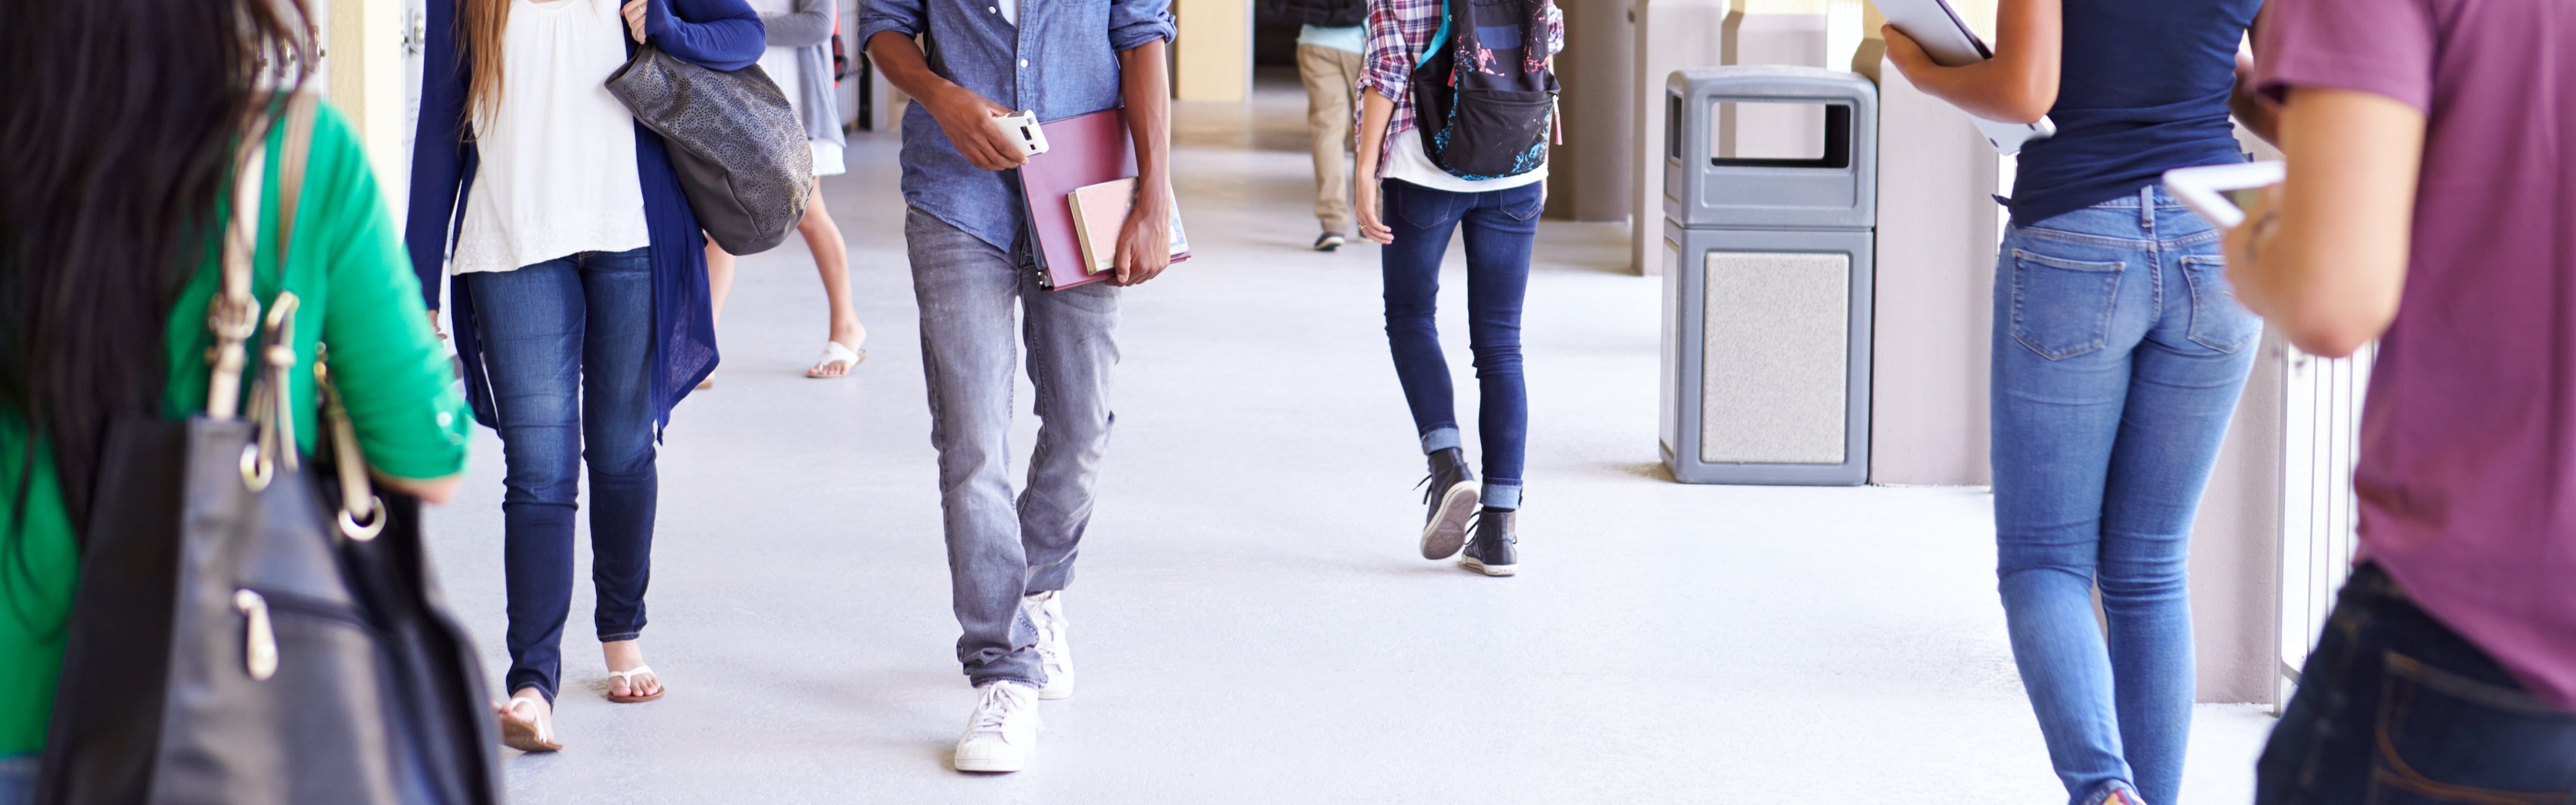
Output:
(357, 293)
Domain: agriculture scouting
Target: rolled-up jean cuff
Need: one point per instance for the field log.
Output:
(1505, 495)
(612, 638)
(1439, 439)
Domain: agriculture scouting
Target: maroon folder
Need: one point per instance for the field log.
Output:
(1081, 150)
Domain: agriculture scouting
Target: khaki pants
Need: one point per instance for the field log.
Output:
(1330, 75)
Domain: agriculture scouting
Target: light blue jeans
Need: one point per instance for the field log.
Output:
(1000, 549)
(18, 779)
(2119, 350)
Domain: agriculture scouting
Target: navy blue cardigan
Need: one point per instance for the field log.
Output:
(719, 34)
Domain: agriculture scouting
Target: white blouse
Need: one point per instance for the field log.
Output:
(557, 160)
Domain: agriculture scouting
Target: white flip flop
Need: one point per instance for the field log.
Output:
(628, 676)
(537, 734)
(834, 352)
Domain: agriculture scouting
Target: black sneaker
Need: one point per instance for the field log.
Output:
(1491, 552)
(1451, 495)
(1329, 241)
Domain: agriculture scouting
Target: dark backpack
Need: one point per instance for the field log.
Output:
(1322, 13)
(1492, 118)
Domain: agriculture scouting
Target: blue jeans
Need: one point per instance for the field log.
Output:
(1000, 550)
(1499, 227)
(566, 343)
(2393, 707)
(2119, 351)
(18, 779)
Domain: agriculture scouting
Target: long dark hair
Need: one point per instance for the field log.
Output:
(118, 135)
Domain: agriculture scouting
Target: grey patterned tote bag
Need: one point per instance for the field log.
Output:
(737, 146)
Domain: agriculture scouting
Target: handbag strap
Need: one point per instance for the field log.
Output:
(233, 313)
(272, 392)
(361, 512)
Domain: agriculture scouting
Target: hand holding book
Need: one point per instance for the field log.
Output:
(1119, 231)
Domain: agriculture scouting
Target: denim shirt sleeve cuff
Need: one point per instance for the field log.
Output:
(877, 24)
(1137, 34)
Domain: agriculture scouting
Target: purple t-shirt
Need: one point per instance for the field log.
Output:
(2468, 456)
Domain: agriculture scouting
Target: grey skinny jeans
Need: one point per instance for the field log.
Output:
(999, 550)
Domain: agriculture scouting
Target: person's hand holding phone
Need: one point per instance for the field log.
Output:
(967, 119)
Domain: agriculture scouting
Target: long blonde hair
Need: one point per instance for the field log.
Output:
(483, 21)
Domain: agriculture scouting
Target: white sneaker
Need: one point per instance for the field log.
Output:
(1002, 731)
(1055, 648)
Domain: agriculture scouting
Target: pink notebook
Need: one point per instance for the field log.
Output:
(1100, 211)
(1082, 150)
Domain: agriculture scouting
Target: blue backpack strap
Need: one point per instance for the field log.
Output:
(1438, 38)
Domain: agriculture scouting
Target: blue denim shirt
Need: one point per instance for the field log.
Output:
(1060, 61)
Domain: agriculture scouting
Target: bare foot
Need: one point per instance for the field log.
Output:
(527, 722)
(629, 680)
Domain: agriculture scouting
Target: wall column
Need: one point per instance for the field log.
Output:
(1670, 35)
(1212, 59)
(1936, 254)
(1590, 176)
(363, 76)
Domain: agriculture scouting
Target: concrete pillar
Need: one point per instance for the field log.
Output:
(2236, 572)
(1590, 176)
(2235, 546)
(1213, 54)
(363, 75)
(1936, 257)
(1670, 35)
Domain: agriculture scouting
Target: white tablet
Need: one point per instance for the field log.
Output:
(2220, 192)
(1947, 37)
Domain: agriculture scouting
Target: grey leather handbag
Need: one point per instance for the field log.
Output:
(252, 624)
(736, 144)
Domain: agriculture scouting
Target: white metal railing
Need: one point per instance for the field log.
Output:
(2320, 434)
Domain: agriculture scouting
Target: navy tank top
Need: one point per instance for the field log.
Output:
(2144, 90)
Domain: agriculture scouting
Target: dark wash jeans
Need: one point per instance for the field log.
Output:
(1499, 227)
(566, 343)
(2395, 708)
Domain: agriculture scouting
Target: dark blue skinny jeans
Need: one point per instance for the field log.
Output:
(1499, 227)
(567, 344)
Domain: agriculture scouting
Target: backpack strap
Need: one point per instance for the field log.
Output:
(1438, 38)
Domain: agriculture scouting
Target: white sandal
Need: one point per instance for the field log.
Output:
(834, 352)
(628, 677)
(536, 734)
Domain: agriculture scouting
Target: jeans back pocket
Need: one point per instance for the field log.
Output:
(2447, 738)
(2218, 321)
(2061, 307)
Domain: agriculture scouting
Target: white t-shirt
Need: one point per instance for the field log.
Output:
(557, 160)
(1407, 162)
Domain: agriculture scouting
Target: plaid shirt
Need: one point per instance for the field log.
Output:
(1398, 32)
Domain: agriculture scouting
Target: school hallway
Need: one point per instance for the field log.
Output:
(1251, 620)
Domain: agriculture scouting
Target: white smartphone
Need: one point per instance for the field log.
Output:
(1021, 128)
(2220, 193)
(1950, 42)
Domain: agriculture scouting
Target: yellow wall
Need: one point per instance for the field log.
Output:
(1213, 58)
(364, 58)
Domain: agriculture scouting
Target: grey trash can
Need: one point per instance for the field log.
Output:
(1770, 205)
